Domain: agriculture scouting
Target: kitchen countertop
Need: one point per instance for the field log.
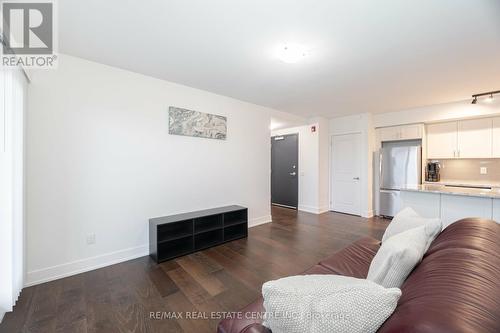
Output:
(465, 191)
(469, 183)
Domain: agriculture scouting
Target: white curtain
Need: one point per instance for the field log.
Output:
(13, 87)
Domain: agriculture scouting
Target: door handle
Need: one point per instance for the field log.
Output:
(293, 173)
(355, 178)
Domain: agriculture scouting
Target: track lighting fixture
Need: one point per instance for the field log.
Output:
(489, 99)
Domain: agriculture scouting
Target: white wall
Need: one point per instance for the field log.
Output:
(100, 160)
(311, 197)
(282, 120)
(363, 124)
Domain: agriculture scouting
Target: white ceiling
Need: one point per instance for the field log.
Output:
(367, 56)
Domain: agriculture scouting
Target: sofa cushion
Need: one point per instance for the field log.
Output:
(353, 260)
(399, 254)
(408, 219)
(455, 288)
(339, 304)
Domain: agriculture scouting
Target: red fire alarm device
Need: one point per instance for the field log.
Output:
(313, 129)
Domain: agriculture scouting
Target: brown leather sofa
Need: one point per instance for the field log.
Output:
(456, 287)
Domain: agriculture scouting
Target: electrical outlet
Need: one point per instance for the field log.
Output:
(90, 239)
(483, 170)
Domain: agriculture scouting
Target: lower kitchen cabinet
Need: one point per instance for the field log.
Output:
(424, 203)
(451, 208)
(456, 207)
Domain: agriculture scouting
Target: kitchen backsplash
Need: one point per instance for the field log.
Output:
(467, 171)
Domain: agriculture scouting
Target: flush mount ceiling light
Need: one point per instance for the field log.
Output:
(489, 93)
(291, 52)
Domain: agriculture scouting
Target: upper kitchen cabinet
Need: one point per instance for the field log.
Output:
(496, 138)
(404, 132)
(474, 138)
(442, 140)
(462, 139)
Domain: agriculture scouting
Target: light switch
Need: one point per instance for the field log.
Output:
(483, 170)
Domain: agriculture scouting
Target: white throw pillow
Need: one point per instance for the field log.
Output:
(405, 220)
(326, 303)
(397, 256)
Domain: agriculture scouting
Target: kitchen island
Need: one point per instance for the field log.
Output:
(452, 203)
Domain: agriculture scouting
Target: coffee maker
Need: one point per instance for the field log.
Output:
(432, 172)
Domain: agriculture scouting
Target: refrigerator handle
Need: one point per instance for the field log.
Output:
(419, 166)
(380, 173)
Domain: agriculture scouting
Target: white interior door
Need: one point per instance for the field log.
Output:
(345, 179)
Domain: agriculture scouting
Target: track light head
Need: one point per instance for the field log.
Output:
(474, 101)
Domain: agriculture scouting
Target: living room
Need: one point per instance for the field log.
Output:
(187, 166)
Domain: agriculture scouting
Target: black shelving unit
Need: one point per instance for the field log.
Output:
(177, 235)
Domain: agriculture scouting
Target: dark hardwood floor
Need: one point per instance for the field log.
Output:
(121, 298)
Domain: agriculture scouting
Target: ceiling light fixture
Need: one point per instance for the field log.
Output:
(292, 52)
(489, 99)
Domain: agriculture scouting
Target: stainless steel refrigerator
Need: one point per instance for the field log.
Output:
(400, 165)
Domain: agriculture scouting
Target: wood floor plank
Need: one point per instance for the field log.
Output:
(209, 265)
(128, 297)
(207, 280)
(15, 321)
(162, 281)
(43, 312)
(192, 289)
(100, 311)
(72, 307)
(182, 305)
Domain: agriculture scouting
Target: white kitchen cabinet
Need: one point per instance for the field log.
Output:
(425, 204)
(496, 210)
(412, 132)
(403, 132)
(442, 140)
(475, 138)
(456, 207)
(388, 133)
(496, 138)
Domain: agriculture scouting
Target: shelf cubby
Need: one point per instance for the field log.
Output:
(235, 217)
(175, 248)
(235, 231)
(207, 223)
(208, 239)
(172, 231)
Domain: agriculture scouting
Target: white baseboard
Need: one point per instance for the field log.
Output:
(259, 220)
(83, 265)
(312, 209)
(88, 264)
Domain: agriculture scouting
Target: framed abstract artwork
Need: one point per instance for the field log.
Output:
(198, 124)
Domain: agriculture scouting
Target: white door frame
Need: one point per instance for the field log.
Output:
(330, 169)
